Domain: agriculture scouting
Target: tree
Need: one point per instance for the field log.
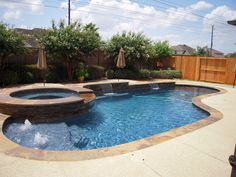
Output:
(231, 55)
(162, 49)
(70, 43)
(201, 51)
(137, 47)
(11, 43)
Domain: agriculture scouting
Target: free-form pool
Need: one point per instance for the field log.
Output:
(114, 120)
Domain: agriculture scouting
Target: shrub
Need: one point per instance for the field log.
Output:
(162, 49)
(52, 77)
(11, 43)
(125, 74)
(177, 74)
(68, 42)
(110, 74)
(9, 78)
(26, 77)
(96, 72)
(166, 74)
(137, 47)
(37, 74)
(144, 74)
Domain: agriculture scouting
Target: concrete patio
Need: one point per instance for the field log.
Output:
(202, 153)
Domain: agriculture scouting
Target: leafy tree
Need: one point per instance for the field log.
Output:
(11, 43)
(162, 49)
(201, 51)
(231, 55)
(137, 47)
(70, 43)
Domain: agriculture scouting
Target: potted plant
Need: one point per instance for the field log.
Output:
(81, 74)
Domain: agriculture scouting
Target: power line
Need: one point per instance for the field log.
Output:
(135, 12)
(181, 5)
(177, 27)
(126, 17)
(198, 15)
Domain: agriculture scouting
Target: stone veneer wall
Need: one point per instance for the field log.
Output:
(125, 87)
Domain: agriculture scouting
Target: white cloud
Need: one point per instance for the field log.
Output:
(13, 10)
(218, 17)
(200, 5)
(111, 16)
(172, 38)
(12, 14)
(224, 34)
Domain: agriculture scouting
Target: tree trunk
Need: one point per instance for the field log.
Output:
(2, 62)
(69, 68)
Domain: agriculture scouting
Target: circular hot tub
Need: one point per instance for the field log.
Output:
(44, 93)
(41, 104)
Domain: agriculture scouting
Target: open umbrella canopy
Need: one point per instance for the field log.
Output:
(42, 63)
(121, 59)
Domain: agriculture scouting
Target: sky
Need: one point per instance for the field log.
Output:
(180, 22)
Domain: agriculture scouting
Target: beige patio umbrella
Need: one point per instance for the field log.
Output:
(42, 62)
(121, 60)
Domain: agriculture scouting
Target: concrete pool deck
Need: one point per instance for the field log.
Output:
(200, 153)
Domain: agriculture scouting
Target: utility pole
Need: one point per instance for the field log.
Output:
(68, 12)
(212, 31)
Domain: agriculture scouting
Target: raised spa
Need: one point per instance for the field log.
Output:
(113, 120)
(44, 104)
(44, 93)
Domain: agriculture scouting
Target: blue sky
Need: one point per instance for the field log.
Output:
(180, 22)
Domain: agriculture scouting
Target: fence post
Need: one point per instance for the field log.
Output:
(197, 69)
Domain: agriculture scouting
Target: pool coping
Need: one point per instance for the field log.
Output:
(10, 148)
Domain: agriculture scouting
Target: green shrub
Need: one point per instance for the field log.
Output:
(37, 74)
(26, 77)
(137, 47)
(177, 74)
(9, 78)
(110, 74)
(52, 77)
(144, 74)
(166, 74)
(125, 74)
(96, 72)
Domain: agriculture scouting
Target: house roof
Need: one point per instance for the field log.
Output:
(183, 49)
(214, 52)
(232, 22)
(31, 40)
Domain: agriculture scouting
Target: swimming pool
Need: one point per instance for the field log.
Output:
(114, 120)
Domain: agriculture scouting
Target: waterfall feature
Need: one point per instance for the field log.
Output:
(107, 89)
(154, 86)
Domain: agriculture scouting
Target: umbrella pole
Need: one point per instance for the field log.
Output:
(44, 80)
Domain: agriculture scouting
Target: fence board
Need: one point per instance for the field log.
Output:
(219, 70)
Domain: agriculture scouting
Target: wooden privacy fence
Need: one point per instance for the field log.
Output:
(219, 70)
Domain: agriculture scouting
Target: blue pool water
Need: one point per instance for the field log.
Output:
(114, 120)
(48, 93)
